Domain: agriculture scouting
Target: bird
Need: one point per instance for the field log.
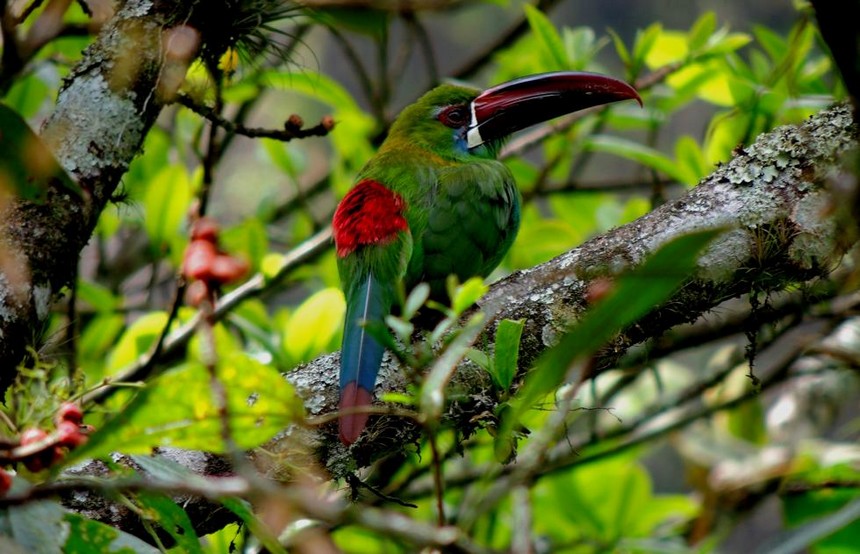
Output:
(435, 201)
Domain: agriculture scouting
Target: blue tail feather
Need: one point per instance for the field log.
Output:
(361, 353)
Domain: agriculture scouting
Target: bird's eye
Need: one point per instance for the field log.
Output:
(453, 116)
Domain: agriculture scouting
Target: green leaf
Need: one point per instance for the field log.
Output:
(27, 94)
(542, 239)
(402, 329)
(645, 41)
(177, 409)
(99, 297)
(162, 510)
(137, 340)
(287, 159)
(634, 151)
(580, 47)
(775, 46)
(667, 47)
(415, 300)
(550, 42)
(165, 204)
(314, 85)
(465, 295)
(634, 295)
(728, 44)
(242, 509)
(97, 338)
(701, 31)
(507, 352)
(28, 168)
(725, 133)
(314, 328)
(87, 536)
(842, 522)
(690, 160)
(605, 502)
(481, 359)
(623, 53)
(432, 397)
(35, 526)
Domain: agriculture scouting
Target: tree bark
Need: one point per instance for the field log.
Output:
(104, 110)
(782, 227)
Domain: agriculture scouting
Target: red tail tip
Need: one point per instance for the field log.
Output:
(352, 424)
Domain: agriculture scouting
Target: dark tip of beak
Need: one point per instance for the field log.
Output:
(514, 105)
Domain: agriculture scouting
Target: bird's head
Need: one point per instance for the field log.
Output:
(455, 121)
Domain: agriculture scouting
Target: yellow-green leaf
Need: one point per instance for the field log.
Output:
(166, 203)
(137, 340)
(178, 409)
(668, 47)
(314, 327)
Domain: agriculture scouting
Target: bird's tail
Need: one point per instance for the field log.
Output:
(361, 353)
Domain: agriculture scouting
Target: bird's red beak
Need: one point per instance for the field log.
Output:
(509, 107)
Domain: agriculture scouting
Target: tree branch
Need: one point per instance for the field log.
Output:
(103, 113)
(772, 199)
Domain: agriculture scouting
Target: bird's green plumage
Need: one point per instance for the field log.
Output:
(462, 205)
(462, 210)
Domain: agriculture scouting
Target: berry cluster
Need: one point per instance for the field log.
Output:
(205, 265)
(37, 449)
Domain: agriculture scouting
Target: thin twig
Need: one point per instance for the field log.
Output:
(437, 477)
(289, 132)
(425, 44)
(361, 72)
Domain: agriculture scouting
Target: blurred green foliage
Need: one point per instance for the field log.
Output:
(271, 196)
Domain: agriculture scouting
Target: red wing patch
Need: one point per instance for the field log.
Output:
(370, 213)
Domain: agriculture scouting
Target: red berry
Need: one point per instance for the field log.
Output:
(226, 269)
(32, 435)
(199, 258)
(206, 229)
(196, 293)
(598, 290)
(5, 482)
(69, 411)
(70, 435)
(42, 459)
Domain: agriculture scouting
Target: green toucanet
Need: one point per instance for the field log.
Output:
(436, 201)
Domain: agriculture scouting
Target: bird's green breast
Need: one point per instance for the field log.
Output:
(463, 216)
(472, 218)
